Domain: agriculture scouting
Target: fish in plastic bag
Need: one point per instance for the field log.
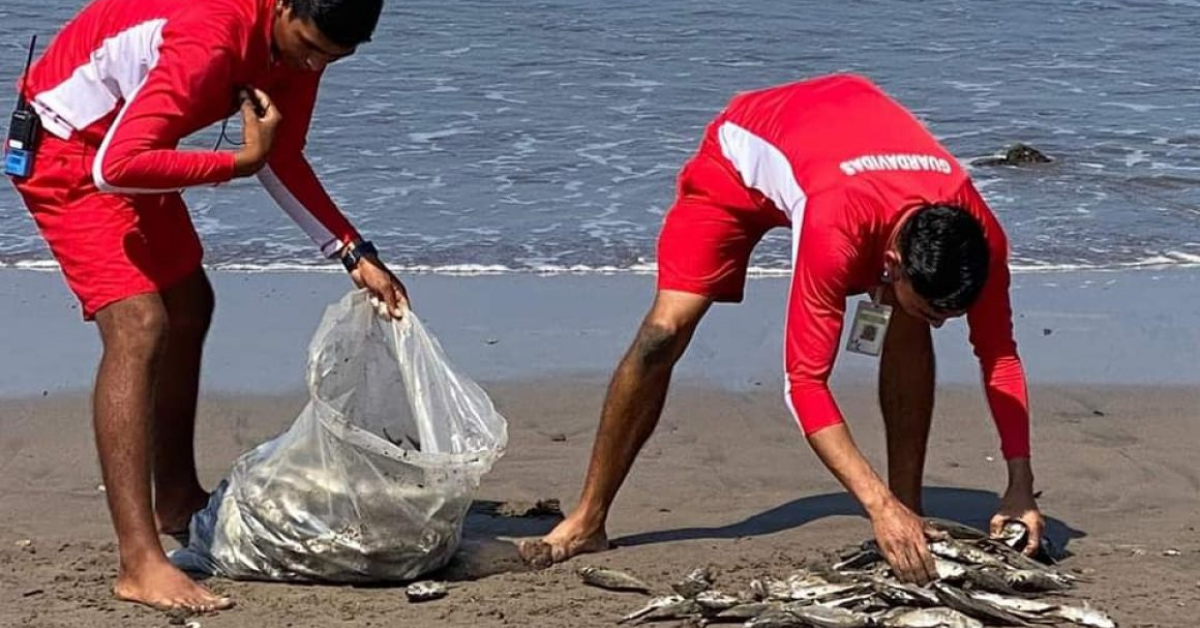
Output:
(374, 478)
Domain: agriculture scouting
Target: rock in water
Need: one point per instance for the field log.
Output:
(1016, 155)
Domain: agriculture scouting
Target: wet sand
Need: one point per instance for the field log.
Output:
(727, 480)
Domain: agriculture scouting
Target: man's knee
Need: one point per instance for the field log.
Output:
(138, 325)
(668, 327)
(661, 342)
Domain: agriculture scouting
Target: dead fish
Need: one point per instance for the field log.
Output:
(904, 594)
(694, 583)
(425, 591)
(775, 589)
(651, 606)
(1018, 560)
(769, 588)
(682, 609)
(1036, 581)
(939, 617)
(866, 557)
(715, 601)
(776, 619)
(948, 570)
(805, 578)
(871, 604)
(749, 610)
(1015, 535)
(851, 601)
(957, 530)
(964, 553)
(1084, 616)
(1016, 605)
(888, 614)
(772, 589)
(993, 579)
(959, 601)
(821, 616)
(825, 591)
(612, 580)
(760, 589)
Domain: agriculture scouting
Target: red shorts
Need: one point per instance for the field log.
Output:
(110, 246)
(709, 233)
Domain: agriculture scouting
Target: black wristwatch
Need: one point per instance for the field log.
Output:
(355, 251)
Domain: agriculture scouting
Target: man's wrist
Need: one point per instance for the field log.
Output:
(1020, 475)
(875, 497)
(247, 161)
(879, 505)
(354, 251)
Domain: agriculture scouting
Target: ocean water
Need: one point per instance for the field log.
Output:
(542, 136)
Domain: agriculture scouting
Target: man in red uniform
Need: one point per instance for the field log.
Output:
(876, 205)
(115, 92)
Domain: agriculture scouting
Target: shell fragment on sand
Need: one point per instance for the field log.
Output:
(425, 591)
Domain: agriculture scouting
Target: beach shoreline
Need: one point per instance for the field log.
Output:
(1128, 327)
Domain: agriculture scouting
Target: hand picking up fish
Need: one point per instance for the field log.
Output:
(982, 581)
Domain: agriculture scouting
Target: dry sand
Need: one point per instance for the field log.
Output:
(726, 481)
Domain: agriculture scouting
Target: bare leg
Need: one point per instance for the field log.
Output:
(177, 490)
(906, 387)
(134, 333)
(631, 411)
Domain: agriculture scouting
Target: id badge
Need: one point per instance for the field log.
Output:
(870, 328)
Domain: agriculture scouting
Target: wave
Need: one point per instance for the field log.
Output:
(1165, 261)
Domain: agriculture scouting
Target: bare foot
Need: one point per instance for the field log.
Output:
(566, 540)
(160, 585)
(173, 514)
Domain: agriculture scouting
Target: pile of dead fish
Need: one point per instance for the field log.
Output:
(980, 582)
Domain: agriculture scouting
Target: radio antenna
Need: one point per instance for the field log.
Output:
(25, 78)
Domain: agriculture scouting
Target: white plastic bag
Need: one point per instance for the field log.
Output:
(375, 476)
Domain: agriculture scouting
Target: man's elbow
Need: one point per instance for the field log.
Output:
(1006, 362)
(111, 175)
(811, 406)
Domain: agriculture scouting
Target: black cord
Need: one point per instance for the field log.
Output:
(225, 138)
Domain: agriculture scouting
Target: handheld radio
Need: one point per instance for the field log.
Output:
(23, 129)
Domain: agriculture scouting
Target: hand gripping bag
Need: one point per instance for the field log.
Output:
(375, 476)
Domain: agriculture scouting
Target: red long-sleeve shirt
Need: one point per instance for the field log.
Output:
(845, 163)
(134, 77)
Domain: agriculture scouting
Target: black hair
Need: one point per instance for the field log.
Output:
(346, 23)
(945, 255)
